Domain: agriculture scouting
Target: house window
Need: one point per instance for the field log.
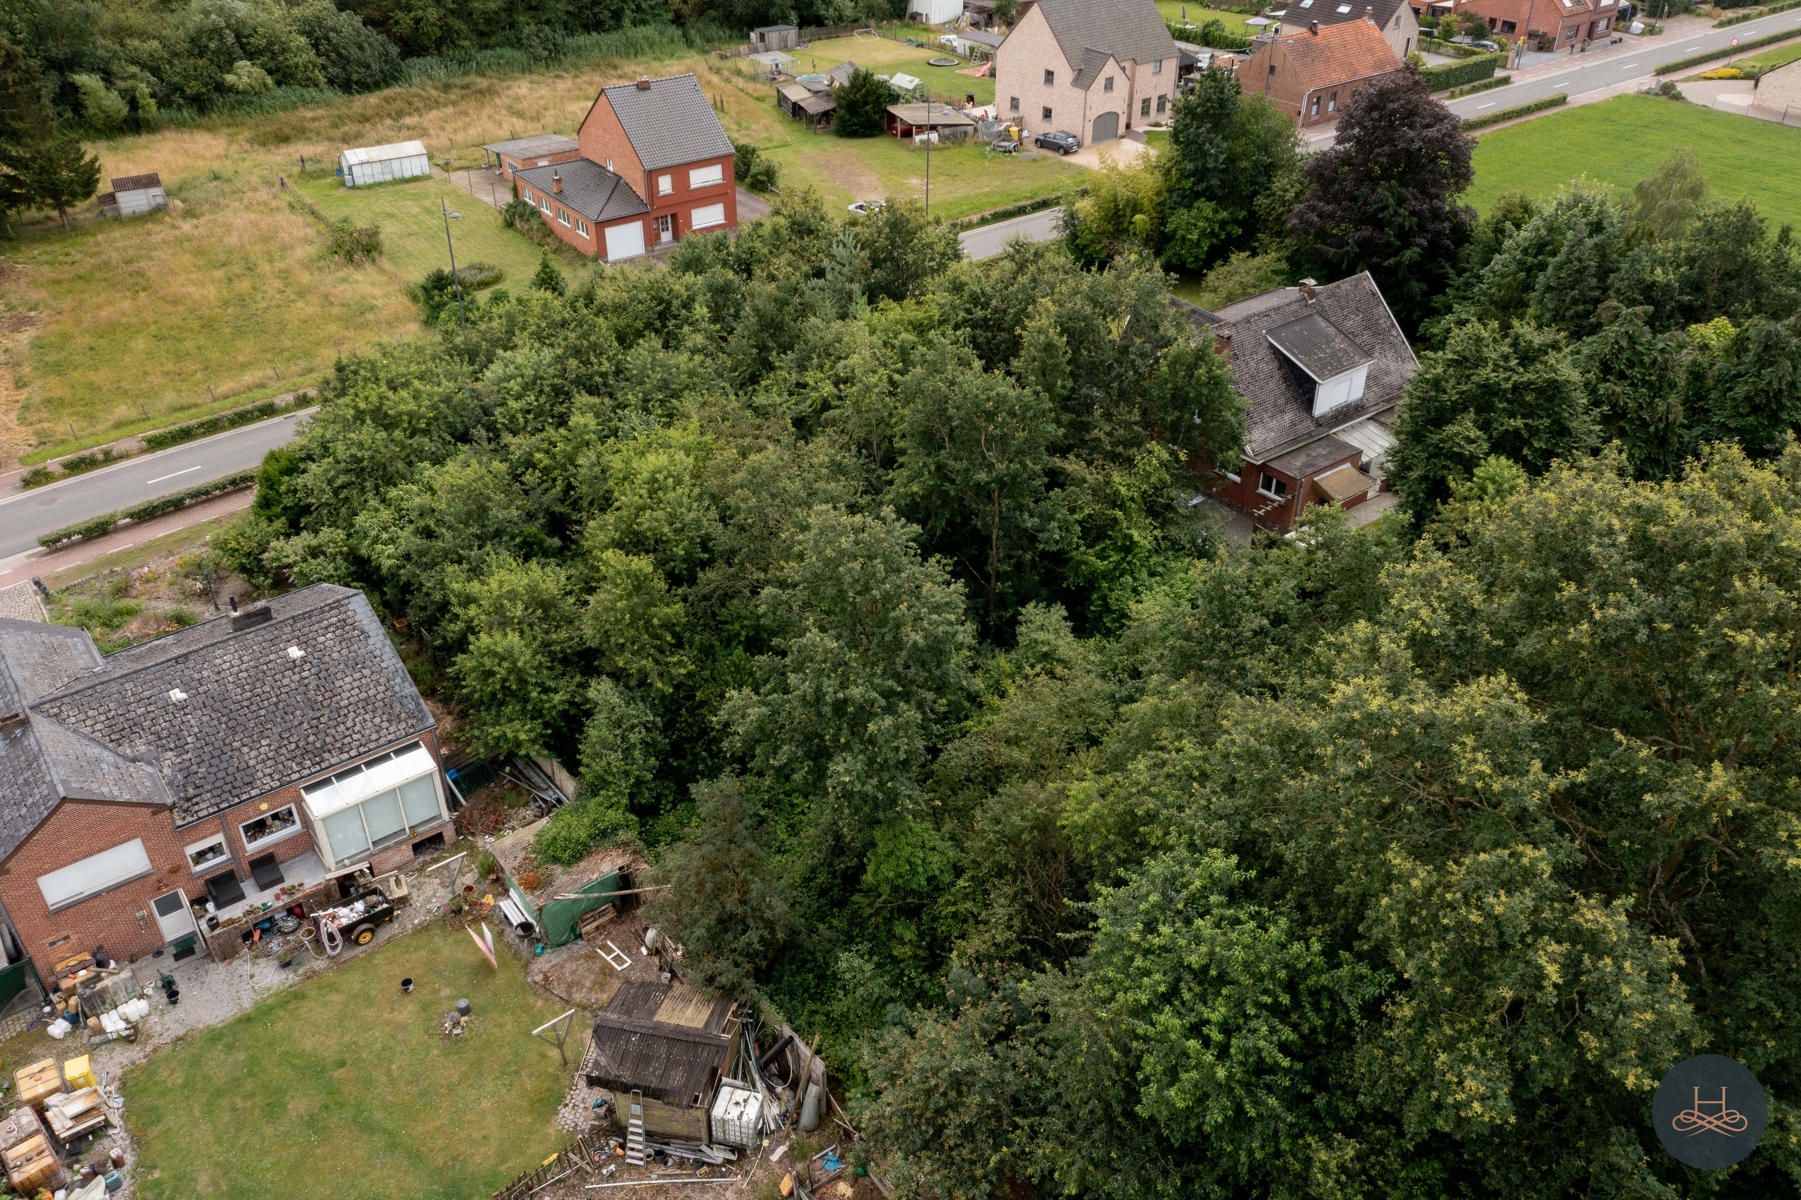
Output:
(701, 177)
(1313, 107)
(1013, 104)
(544, 203)
(1046, 115)
(204, 856)
(1162, 104)
(1050, 79)
(581, 227)
(374, 804)
(1157, 67)
(1332, 102)
(563, 216)
(1107, 84)
(95, 874)
(665, 184)
(1269, 485)
(1144, 107)
(708, 216)
(270, 827)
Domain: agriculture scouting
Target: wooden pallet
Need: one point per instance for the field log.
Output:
(593, 921)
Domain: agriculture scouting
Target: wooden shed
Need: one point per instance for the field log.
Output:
(915, 120)
(803, 103)
(664, 1046)
(774, 37)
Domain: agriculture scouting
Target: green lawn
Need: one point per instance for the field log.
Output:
(1620, 141)
(1768, 60)
(343, 1087)
(966, 179)
(412, 228)
(886, 56)
(1176, 12)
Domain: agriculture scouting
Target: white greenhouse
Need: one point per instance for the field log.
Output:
(381, 164)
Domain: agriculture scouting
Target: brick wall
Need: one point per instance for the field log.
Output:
(603, 140)
(588, 243)
(1032, 49)
(121, 918)
(682, 199)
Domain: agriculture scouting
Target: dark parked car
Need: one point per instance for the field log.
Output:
(1058, 140)
(1477, 43)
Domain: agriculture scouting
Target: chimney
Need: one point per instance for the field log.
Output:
(556, 182)
(1313, 28)
(1222, 344)
(1309, 290)
(644, 83)
(256, 614)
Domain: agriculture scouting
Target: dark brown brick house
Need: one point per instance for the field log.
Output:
(1321, 370)
(194, 775)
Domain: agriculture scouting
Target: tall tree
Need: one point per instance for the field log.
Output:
(62, 174)
(1230, 157)
(862, 105)
(1383, 198)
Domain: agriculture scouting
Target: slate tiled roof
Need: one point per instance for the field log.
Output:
(588, 188)
(1336, 12)
(1336, 54)
(1131, 31)
(670, 122)
(250, 719)
(1278, 397)
(1093, 63)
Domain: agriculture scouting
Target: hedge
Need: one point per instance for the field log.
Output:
(1470, 70)
(1023, 208)
(1479, 86)
(75, 464)
(1212, 34)
(143, 512)
(175, 435)
(1518, 110)
(1695, 60)
(1766, 10)
(1450, 49)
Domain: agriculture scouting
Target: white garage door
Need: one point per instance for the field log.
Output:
(625, 241)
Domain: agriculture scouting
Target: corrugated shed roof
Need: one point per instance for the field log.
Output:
(359, 155)
(588, 188)
(662, 1039)
(1278, 397)
(137, 183)
(670, 122)
(536, 146)
(1129, 30)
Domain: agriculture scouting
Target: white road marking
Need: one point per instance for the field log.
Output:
(161, 478)
(1686, 49)
(1555, 86)
(1490, 104)
(1627, 66)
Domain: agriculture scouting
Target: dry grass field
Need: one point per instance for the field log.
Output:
(124, 326)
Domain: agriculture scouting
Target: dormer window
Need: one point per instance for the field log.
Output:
(1337, 366)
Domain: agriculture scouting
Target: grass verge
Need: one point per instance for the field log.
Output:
(1620, 141)
(342, 1087)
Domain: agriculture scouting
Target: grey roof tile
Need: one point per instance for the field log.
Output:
(1279, 398)
(588, 188)
(670, 122)
(1131, 32)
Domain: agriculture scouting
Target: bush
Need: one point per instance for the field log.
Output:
(574, 830)
(175, 435)
(1212, 33)
(143, 512)
(521, 215)
(438, 290)
(1434, 45)
(862, 106)
(1484, 85)
(753, 169)
(1470, 70)
(1518, 110)
(1753, 14)
(1695, 60)
(36, 477)
(352, 244)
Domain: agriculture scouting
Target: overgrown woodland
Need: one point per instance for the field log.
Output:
(860, 583)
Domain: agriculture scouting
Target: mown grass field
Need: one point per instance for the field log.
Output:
(886, 56)
(342, 1086)
(1176, 12)
(120, 327)
(1620, 141)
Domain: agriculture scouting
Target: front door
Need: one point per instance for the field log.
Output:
(173, 916)
(665, 229)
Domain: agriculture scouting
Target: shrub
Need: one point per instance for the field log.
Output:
(521, 215)
(352, 244)
(438, 290)
(145, 511)
(753, 169)
(1720, 73)
(578, 827)
(207, 426)
(1518, 110)
(36, 477)
(1753, 14)
(1470, 89)
(1695, 60)
(1211, 33)
(862, 106)
(1470, 70)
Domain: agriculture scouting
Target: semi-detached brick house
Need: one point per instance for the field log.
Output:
(281, 744)
(1321, 371)
(1312, 75)
(1086, 67)
(1561, 23)
(655, 165)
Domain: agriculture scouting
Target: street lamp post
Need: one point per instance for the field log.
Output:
(928, 207)
(456, 281)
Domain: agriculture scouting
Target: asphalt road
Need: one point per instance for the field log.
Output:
(987, 241)
(25, 515)
(1637, 63)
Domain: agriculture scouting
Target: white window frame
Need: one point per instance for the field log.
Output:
(696, 224)
(665, 185)
(544, 203)
(1313, 106)
(1264, 477)
(705, 177)
(581, 227)
(1157, 67)
(57, 894)
(562, 216)
(224, 859)
(1332, 103)
(270, 839)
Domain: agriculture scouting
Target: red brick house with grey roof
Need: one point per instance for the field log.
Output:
(1321, 369)
(1312, 74)
(151, 798)
(654, 165)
